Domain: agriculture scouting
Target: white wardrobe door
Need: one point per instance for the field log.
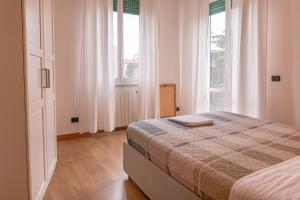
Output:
(36, 98)
(41, 94)
(36, 127)
(50, 91)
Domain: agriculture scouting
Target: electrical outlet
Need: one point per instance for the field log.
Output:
(276, 78)
(74, 119)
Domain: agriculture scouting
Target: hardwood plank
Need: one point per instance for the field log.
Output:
(91, 168)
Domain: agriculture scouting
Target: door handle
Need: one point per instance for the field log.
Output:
(46, 80)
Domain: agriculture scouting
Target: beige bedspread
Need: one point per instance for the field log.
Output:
(209, 160)
(279, 182)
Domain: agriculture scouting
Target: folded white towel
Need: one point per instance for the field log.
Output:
(192, 120)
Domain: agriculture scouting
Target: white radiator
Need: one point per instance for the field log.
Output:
(126, 104)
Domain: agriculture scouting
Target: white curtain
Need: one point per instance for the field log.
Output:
(97, 90)
(149, 62)
(249, 57)
(194, 55)
(201, 56)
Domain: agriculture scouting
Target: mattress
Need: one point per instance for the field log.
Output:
(212, 160)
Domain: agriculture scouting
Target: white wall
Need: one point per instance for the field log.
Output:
(283, 98)
(68, 14)
(13, 151)
(68, 18)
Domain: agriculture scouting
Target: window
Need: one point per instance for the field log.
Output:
(218, 75)
(126, 41)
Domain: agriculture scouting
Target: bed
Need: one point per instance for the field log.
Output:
(238, 157)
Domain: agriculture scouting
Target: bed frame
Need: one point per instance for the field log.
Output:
(154, 182)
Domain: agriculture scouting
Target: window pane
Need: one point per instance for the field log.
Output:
(216, 101)
(217, 62)
(131, 46)
(115, 44)
(217, 51)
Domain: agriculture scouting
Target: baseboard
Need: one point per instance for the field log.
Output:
(78, 135)
(121, 128)
(72, 136)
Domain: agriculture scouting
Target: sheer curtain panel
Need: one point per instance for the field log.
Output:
(149, 61)
(194, 55)
(97, 90)
(249, 56)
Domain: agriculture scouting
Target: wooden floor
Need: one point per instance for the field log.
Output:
(91, 169)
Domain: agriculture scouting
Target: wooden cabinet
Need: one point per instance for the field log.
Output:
(167, 100)
(40, 67)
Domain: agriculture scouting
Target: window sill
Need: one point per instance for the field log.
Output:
(126, 83)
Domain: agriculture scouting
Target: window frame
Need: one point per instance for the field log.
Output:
(121, 80)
